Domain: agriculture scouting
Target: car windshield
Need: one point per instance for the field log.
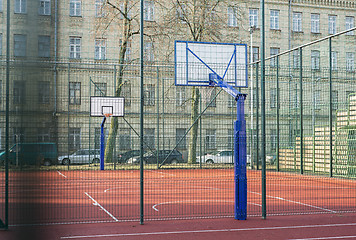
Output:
(214, 152)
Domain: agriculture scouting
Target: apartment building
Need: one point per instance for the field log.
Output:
(63, 52)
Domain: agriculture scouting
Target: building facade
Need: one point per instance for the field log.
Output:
(63, 52)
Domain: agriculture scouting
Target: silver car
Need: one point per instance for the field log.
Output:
(219, 156)
(82, 156)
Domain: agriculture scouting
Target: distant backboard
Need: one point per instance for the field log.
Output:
(99, 106)
(194, 61)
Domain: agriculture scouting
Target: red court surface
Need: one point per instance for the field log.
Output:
(307, 227)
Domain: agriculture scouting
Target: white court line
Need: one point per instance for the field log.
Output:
(338, 237)
(97, 204)
(61, 174)
(205, 231)
(300, 203)
(187, 201)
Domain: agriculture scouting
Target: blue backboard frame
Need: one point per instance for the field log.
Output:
(194, 61)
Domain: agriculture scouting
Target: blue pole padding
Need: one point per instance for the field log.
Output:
(102, 145)
(240, 160)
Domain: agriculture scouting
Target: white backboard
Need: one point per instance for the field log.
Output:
(103, 105)
(194, 61)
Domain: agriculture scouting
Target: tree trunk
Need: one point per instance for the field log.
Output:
(126, 33)
(192, 152)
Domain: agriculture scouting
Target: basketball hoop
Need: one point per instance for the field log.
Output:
(107, 115)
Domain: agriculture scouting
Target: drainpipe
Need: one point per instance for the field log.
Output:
(55, 54)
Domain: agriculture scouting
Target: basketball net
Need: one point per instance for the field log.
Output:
(107, 115)
(206, 94)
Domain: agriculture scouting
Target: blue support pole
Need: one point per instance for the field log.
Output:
(102, 144)
(240, 160)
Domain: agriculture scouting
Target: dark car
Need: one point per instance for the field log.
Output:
(164, 156)
(123, 157)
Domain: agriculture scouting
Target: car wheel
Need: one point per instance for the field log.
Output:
(209, 161)
(174, 161)
(66, 161)
(96, 160)
(47, 162)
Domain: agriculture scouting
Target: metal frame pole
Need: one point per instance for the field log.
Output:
(102, 144)
(240, 160)
(263, 110)
(301, 109)
(330, 112)
(141, 113)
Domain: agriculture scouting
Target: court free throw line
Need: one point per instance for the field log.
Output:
(206, 231)
(98, 204)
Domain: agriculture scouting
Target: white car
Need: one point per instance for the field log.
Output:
(83, 156)
(269, 160)
(219, 156)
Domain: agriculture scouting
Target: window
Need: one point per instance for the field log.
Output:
(43, 92)
(181, 12)
(100, 49)
(149, 94)
(209, 95)
(180, 96)
(45, 7)
(1, 96)
(253, 17)
(128, 50)
(334, 99)
(19, 135)
(20, 6)
(75, 8)
(273, 98)
(74, 138)
(149, 7)
(297, 21)
(350, 61)
(99, 8)
(349, 23)
(273, 139)
(332, 24)
(100, 89)
(0, 42)
(44, 46)
(74, 47)
(74, 93)
(126, 93)
(232, 16)
(210, 139)
(274, 19)
(149, 138)
(124, 139)
(274, 51)
(334, 61)
(315, 23)
(148, 52)
(317, 99)
(315, 60)
(43, 135)
(181, 138)
(230, 138)
(19, 92)
(125, 11)
(256, 54)
(296, 59)
(20, 42)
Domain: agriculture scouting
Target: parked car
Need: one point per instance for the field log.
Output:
(269, 159)
(218, 156)
(82, 156)
(123, 157)
(31, 154)
(168, 156)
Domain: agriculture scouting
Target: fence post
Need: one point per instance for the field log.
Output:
(301, 109)
(277, 113)
(330, 112)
